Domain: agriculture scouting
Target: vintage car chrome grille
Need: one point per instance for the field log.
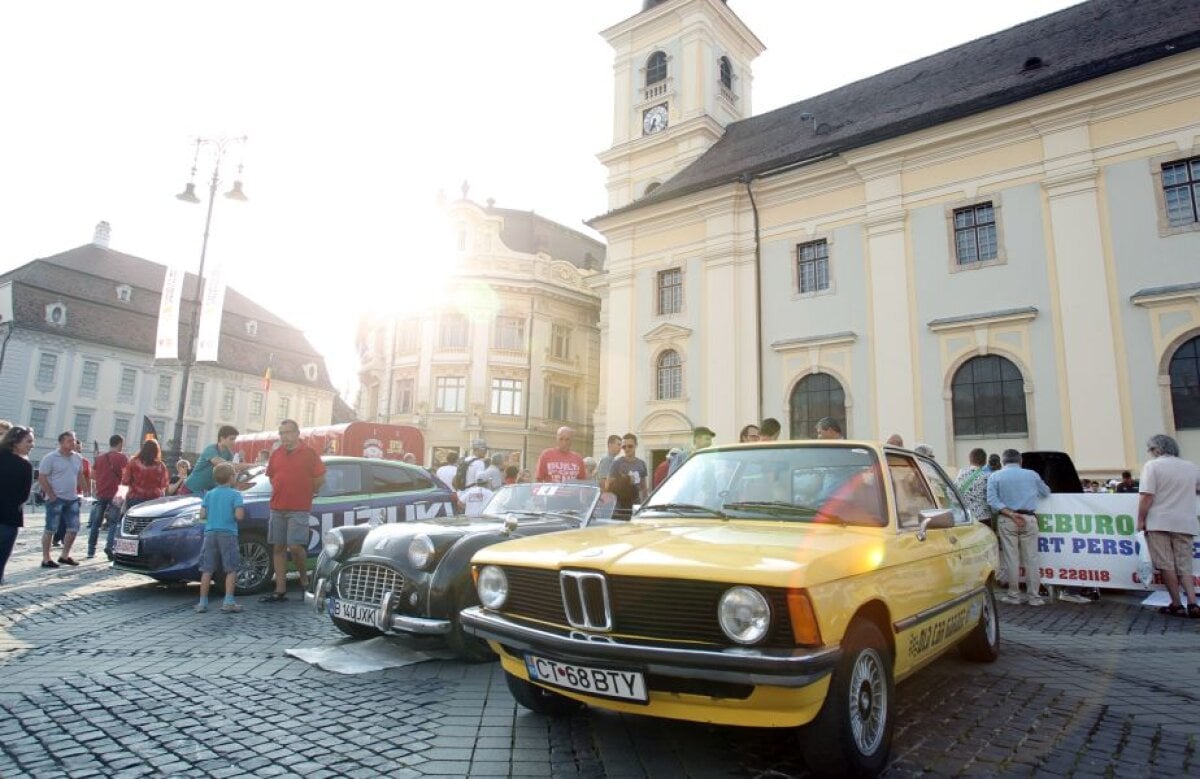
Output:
(367, 582)
(649, 607)
(133, 526)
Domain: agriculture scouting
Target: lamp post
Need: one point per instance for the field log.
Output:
(188, 195)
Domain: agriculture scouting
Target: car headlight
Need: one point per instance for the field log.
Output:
(492, 586)
(332, 543)
(744, 614)
(420, 552)
(191, 519)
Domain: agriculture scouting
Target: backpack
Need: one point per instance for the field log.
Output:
(460, 473)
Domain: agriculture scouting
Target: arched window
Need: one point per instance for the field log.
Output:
(726, 73)
(656, 68)
(653, 185)
(989, 398)
(816, 396)
(1185, 385)
(670, 375)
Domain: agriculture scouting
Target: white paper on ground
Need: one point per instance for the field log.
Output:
(357, 657)
(1161, 598)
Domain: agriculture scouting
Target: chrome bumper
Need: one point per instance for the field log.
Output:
(387, 621)
(774, 667)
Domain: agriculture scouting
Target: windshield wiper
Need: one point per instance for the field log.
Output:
(685, 508)
(776, 507)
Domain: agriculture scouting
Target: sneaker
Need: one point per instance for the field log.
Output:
(231, 608)
(1036, 600)
(67, 561)
(1010, 598)
(49, 564)
(1070, 597)
(200, 608)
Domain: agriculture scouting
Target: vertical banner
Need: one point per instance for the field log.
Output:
(210, 316)
(166, 343)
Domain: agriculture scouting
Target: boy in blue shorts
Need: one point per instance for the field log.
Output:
(221, 510)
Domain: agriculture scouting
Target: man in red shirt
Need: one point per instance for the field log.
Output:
(107, 472)
(561, 464)
(296, 473)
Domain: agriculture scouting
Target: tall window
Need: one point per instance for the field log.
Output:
(402, 396)
(726, 73)
(121, 426)
(560, 402)
(989, 398)
(162, 395)
(453, 332)
(669, 374)
(656, 68)
(310, 413)
(1181, 191)
(196, 397)
(191, 435)
(812, 266)
(450, 394)
(506, 396)
(407, 333)
(560, 342)
(47, 369)
(227, 399)
(975, 234)
(128, 384)
(89, 379)
(285, 407)
(39, 420)
(1185, 385)
(670, 291)
(814, 397)
(83, 427)
(256, 404)
(510, 333)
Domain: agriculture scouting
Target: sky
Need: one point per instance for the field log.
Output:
(358, 114)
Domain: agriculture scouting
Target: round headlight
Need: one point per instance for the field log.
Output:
(420, 552)
(492, 586)
(332, 543)
(744, 614)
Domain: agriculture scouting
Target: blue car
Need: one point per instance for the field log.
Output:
(161, 538)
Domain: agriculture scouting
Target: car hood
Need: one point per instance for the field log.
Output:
(391, 540)
(744, 552)
(166, 507)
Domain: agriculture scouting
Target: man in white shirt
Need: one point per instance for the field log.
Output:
(474, 498)
(1167, 512)
(446, 472)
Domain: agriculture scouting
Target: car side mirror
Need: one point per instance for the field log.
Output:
(935, 519)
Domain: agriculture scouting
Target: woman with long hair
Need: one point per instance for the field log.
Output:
(145, 475)
(16, 479)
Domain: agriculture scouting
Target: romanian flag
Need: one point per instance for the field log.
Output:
(266, 380)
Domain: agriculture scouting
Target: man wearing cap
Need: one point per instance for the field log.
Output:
(475, 497)
(477, 463)
(560, 463)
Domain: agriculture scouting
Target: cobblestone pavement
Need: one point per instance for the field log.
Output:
(110, 674)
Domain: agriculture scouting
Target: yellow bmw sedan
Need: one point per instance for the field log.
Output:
(767, 585)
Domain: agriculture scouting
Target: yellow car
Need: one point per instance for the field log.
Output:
(766, 585)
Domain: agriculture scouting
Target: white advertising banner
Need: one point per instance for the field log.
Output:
(210, 316)
(166, 343)
(1090, 540)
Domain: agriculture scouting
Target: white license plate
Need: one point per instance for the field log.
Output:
(126, 546)
(601, 682)
(353, 612)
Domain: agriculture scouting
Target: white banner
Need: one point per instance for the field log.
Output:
(210, 316)
(1089, 540)
(166, 343)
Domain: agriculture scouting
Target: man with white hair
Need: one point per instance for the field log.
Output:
(560, 463)
(1167, 512)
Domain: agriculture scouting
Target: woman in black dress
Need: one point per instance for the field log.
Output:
(16, 479)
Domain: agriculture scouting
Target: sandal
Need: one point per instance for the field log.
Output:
(1175, 610)
(1193, 611)
(276, 597)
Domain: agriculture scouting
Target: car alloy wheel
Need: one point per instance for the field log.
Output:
(868, 702)
(257, 569)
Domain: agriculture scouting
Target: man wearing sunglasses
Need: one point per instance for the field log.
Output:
(627, 478)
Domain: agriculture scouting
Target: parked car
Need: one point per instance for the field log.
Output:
(162, 538)
(415, 578)
(766, 585)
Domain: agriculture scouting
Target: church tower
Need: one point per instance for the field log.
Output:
(682, 70)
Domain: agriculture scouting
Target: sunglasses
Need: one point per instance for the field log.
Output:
(629, 446)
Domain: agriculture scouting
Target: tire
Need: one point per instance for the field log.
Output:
(355, 630)
(257, 570)
(852, 734)
(538, 699)
(982, 645)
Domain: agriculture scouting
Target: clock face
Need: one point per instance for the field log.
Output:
(654, 119)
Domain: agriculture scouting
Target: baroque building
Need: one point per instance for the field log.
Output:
(512, 351)
(78, 329)
(994, 246)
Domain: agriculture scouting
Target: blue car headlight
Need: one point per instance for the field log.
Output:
(190, 519)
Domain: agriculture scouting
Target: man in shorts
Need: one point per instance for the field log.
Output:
(296, 473)
(221, 510)
(1167, 512)
(60, 475)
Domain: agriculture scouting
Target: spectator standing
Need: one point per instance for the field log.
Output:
(60, 475)
(183, 469)
(146, 477)
(296, 473)
(925, 450)
(589, 470)
(446, 472)
(494, 473)
(85, 492)
(1127, 484)
(829, 429)
(201, 479)
(896, 440)
(1167, 512)
(663, 469)
(16, 480)
(5, 426)
(748, 434)
(769, 430)
(221, 509)
(477, 463)
(972, 485)
(605, 465)
(993, 463)
(560, 464)
(628, 477)
(108, 470)
(475, 497)
(1013, 492)
(510, 474)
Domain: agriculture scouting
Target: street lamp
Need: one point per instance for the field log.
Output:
(188, 195)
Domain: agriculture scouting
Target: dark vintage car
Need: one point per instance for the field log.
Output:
(415, 578)
(162, 538)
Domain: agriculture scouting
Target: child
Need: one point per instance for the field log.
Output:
(221, 510)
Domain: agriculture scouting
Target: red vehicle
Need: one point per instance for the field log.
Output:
(351, 439)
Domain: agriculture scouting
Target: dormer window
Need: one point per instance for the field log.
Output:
(310, 370)
(726, 73)
(656, 68)
(124, 293)
(56, 314)
(251, 327)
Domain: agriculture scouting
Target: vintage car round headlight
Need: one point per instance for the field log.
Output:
(744, 614)
(492, 586)
(332, 543)
(420, 552)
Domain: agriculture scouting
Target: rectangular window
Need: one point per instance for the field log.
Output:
(191, 433)
(256, 404)
(506, 396)
(560, 402)
(121, 426)
(975, 234)
(560, 342)
(453, 332)
(402, 396)
(83, 427)
(89, 379)
(285, 407)
(1181, 191)
(812, 266)
(407, 336)
(670, 291)
(227, 399)
(310, 413)
(162, 395)
(128, 384)
(196, 396)
(47, 369)
(39, 420)
(450, 394)
(510, 333)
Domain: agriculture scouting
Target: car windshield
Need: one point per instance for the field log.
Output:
(574, 500)
(254, 482)
(793, 483)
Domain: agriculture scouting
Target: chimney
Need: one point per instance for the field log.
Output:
(103, 230)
